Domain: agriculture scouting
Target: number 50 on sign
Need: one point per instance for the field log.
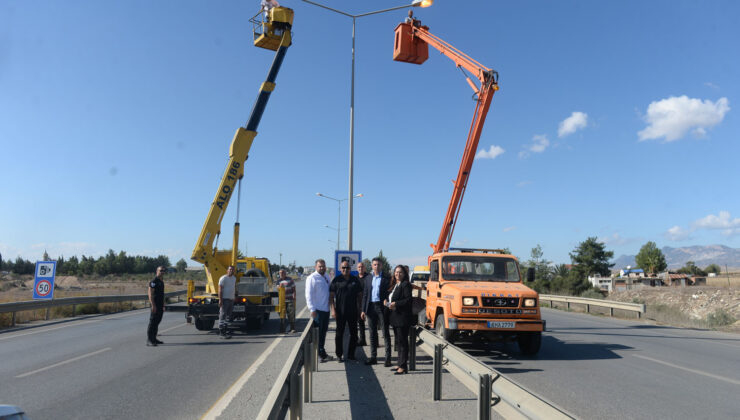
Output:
(43, 285)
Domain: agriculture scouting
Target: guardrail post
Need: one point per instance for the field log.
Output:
(437, 372)
(74, 310)
(588, 308)
(568, 303)
(12, 320)
(412, 348)
(315, 346)
(484, 397)
(308, 363)
(611, 311)
(294, 396)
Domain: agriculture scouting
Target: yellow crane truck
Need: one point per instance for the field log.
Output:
(253, 303)
(471, 291)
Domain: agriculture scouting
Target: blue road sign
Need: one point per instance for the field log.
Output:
(353, 257)
(43, 284)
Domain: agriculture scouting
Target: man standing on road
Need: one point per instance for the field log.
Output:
(156, 301)
(317, 301)
(288, 284)
(361, 275)
(345, 294)
(375, 291)
(226, 296)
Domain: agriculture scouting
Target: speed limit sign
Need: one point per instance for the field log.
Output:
(43, 286)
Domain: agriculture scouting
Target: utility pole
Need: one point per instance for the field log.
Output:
(281, 260)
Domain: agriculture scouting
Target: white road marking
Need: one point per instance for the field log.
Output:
(74, 359)
(223, 402)
(71, 324)
(699, 372)
(172, 328)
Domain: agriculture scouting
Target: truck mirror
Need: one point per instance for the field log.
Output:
(530, 274)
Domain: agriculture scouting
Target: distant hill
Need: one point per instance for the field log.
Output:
(702, 256)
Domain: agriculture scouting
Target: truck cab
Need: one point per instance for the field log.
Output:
(480, 292)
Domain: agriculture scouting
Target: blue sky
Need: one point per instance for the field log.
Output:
(613, 119)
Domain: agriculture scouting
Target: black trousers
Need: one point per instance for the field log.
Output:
(402, 333)
(154, 319)
(361, 330)
(348, 319)
(376, 316)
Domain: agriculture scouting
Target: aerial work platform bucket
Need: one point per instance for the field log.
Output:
(269, 31)
(409, 48)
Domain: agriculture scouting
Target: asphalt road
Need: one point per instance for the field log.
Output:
(604, 368)
(99, 367)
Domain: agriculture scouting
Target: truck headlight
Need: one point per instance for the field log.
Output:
(470, 301)
(530, 303)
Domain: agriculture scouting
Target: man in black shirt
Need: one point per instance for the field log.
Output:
(156, 301)
(345, 293)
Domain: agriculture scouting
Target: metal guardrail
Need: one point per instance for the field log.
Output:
(30, 305)
(288, 388)
(639, 308)
(494, 391)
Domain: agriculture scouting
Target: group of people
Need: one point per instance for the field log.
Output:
(373, 298)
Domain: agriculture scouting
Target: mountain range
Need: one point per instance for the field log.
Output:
(702, 256)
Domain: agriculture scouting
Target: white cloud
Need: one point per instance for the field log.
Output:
(539, 144)
(723, 221)
(616, 239)
(509, 229)
(492, 153)
(676, 233)
(576, 121)
(522, 184)
(711, 85)
(672, 118)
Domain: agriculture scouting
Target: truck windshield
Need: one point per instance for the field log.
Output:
(480, 268)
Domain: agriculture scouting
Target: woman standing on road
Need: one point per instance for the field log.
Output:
(401, 315)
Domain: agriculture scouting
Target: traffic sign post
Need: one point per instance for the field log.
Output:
(43, 285)
(353, 257)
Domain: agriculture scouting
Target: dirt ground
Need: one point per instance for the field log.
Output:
(689, 306)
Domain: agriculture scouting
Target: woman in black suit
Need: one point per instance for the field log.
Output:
(401, 314)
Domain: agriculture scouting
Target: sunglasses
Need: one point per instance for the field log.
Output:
(345, 268)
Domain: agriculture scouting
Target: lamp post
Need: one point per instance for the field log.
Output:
(339, 211)
(415, 3)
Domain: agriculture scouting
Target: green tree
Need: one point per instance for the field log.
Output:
(300, 269)
(385, 266)
(651, 258)
(542, 270)
(181, 265)
(691, 268)
(591, 257)
(71, 266)
(560, 270)
(713, 268)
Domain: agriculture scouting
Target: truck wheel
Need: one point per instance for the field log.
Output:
(203, 324)
(529, 343)
(443, 332)
(422, 319)
(255, 323)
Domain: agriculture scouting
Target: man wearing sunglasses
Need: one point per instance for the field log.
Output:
(345, 294)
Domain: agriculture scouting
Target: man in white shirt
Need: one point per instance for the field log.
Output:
(226, 296)
(317, 301)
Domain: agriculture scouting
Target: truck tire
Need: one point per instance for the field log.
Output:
(204, 324)
(439, 326)
(529, 343)
(254, 272)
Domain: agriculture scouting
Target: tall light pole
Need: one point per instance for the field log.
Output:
(339, 211)
(415, 3)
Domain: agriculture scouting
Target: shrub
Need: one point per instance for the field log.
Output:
(720, 318)
(592, 294)
(88, 308)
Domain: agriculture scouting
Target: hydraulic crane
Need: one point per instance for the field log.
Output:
(411, 46)
(471, 291)
(272, 32)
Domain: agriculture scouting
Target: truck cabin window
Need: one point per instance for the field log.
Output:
(473, 268)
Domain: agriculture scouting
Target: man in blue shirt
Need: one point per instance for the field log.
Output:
(375, 291)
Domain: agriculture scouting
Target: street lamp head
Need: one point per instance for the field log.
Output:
(320, 195)
(422, 3)
(358, 196)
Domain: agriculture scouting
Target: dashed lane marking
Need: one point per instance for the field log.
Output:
(74, 359)
(699, 372)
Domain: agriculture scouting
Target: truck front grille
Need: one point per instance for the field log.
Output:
(500, 302)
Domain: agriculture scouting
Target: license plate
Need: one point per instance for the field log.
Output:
(240, 308)
(500, 324)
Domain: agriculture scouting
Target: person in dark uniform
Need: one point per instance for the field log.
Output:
(401, 314)
(345, 293)
(156, 301)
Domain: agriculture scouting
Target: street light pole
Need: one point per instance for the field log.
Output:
(415, 3)
(339, 209)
